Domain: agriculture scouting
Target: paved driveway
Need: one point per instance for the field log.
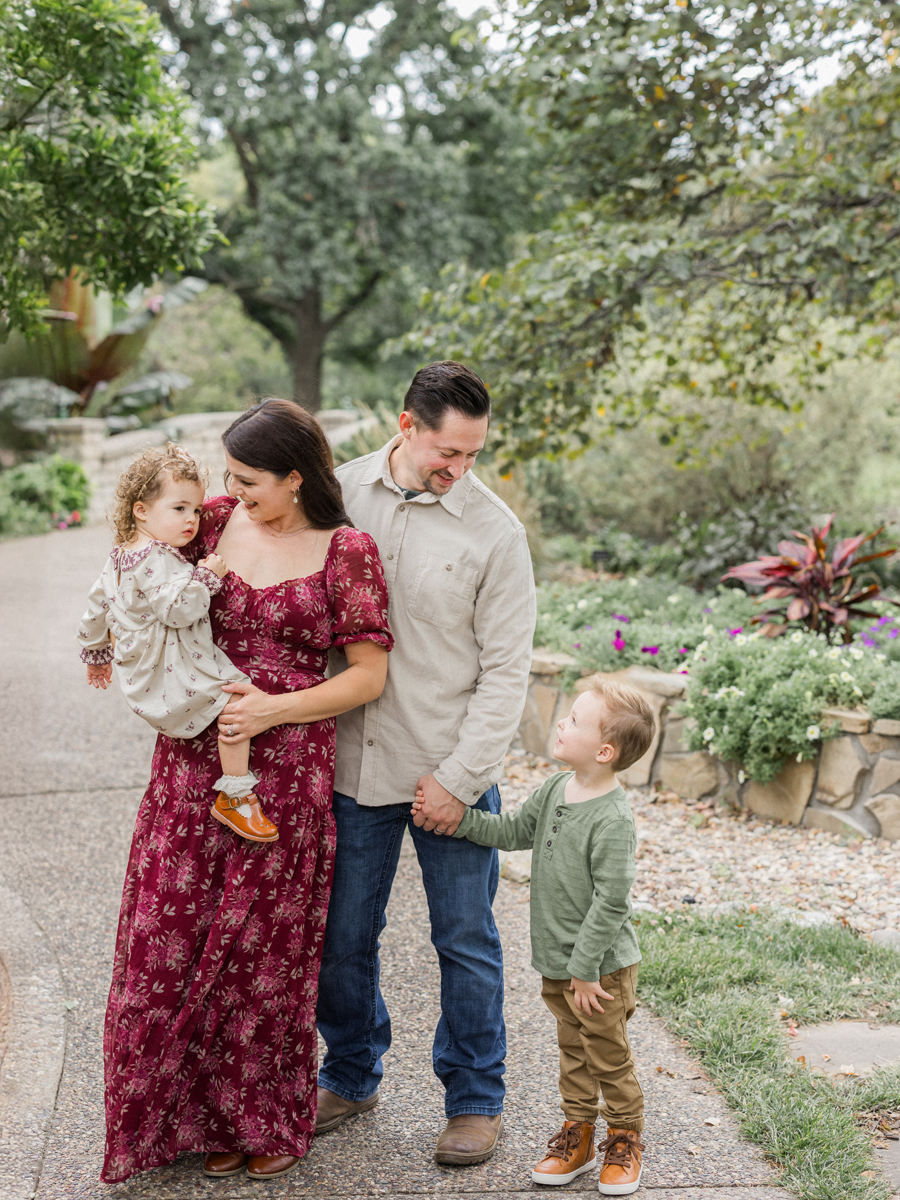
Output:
(72, 767)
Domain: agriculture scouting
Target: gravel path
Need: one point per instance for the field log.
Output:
(69, 767)
(715, 856)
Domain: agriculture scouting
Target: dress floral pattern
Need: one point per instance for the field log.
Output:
(210, 1040)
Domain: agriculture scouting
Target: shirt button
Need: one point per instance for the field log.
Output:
(476, 793)
(558, 813)
(448, 567)
(549, 843)
(370, 742)
(402, 508)
(554, 829)
(390, 556)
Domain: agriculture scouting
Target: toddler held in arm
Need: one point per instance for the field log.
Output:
(148, 617)
(582, 829)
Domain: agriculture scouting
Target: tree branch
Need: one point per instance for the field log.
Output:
(247, 166)
(361, 296)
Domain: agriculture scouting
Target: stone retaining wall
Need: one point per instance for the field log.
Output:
(85, 440)
(852, 788)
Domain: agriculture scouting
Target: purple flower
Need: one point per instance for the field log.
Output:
(707, 610)
(589, 627)
(882, 621)
(618, 641)
(620, 617)
(684, 650)
(866, 640)
(576, 645)
(735, 632)
(893, 633)
(649, 649)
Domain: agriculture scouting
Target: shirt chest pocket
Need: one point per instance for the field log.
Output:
(443, 593)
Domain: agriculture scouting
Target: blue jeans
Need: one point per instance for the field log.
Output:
(460, 884)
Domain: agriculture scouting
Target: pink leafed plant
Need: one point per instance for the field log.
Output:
(817, 584)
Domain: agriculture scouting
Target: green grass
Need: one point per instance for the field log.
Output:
(729, 986)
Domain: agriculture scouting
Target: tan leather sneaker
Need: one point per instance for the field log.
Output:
(245, 817)
(468, 1139)
(332, 1110)
(569, 1154)
(620, 1174)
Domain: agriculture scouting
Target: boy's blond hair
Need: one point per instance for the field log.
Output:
(143, 480)
(629, 725)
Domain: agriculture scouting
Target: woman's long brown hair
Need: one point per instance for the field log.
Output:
(278, 436)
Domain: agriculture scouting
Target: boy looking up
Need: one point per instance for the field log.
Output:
(583, 944)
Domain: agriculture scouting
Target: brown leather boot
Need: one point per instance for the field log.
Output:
(223, 1164)
(253, 825)
(620, 1174)
(468, 1139)
(569, 1154)
(271, 1166)
(333, 1109)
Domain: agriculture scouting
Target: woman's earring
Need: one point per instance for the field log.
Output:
(296, 501)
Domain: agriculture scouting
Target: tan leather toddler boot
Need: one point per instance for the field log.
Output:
(569, 1154)
(620, 1174)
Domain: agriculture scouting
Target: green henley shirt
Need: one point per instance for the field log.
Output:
(581, 875)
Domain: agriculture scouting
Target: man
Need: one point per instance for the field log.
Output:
(462, 613)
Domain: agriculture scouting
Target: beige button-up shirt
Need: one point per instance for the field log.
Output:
(462, 611)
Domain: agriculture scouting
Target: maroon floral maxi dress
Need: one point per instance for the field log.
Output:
(210, 1040)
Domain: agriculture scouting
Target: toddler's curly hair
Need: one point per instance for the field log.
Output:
(143, 480)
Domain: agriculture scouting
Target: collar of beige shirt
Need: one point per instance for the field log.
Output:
(379, 470)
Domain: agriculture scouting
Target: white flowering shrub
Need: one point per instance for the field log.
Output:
(761, 701)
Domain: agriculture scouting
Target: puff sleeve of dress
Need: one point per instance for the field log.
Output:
(354, 579)
(93, 632)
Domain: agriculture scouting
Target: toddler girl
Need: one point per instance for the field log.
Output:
(149, 615)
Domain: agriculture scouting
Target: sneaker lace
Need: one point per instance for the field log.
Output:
(617, 1149)
(564, 1143)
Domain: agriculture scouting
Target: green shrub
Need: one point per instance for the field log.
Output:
(38, 496)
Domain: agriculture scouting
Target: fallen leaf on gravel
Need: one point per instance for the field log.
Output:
(801, 1058)
(661, 1070)
(847, 1070)
(695, 1150)
(715, 1121)
(827, 1057)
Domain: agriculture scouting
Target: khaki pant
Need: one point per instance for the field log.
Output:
(595, 1055)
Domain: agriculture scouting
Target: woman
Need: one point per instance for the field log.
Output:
(210, 1040)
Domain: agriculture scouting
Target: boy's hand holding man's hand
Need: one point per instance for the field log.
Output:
(587, 995)
(436, 808)
(216, 564)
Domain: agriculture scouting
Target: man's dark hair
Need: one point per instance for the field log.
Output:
(442, 386)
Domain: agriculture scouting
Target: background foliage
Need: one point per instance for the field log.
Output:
(93, 149)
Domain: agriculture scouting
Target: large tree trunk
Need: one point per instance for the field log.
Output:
(307, 349)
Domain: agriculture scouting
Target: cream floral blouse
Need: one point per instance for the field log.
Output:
(156, 605)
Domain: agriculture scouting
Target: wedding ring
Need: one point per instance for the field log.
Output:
(231, 731)
(436, 830)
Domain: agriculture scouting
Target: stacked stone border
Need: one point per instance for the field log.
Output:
(851, 788)
(87, 441)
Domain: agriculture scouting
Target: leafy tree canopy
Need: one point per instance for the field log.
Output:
(368, 160)
(93, 145)
(724, 209)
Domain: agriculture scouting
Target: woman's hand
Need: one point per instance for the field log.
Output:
(249, 712)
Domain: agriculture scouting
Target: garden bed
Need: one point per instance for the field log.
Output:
(793, 728)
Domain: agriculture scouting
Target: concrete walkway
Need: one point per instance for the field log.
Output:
(74, 763)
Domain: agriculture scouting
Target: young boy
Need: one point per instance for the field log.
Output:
(583, 833)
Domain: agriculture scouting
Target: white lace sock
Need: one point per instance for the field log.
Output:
(236, 787)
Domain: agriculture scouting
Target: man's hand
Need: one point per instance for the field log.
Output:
(216, 564)
(436, 808)
(99, 677)
(586, 995)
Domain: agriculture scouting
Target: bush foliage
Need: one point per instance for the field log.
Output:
(37, 496)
